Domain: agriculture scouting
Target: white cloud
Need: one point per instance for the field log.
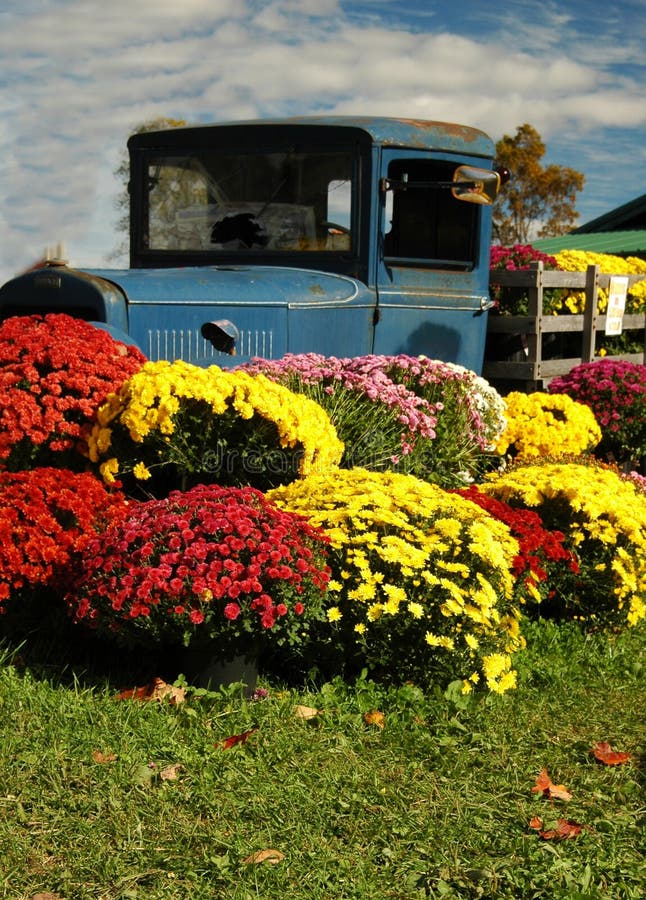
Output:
(79, 75)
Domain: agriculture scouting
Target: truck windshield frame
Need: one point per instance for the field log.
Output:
(268, 202)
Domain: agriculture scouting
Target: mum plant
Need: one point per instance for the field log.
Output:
(378, 421)
(55, 371)
(615, 391)
(422, 583)
(543, 558)
(175, 424)
(604, 519)
(542, 424)
(400, 413)
(220, 566)
(470, 415)
(511, 301)
(47, 517)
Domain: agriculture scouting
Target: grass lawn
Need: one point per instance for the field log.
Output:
(110, 798)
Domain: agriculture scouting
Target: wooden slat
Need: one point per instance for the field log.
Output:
(532, 327)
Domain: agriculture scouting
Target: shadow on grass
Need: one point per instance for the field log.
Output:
(40, 637)
(46, 641)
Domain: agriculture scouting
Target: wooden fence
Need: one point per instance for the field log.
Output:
(523, 351)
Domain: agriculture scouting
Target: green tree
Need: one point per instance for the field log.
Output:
(537, 201)
(122, 173)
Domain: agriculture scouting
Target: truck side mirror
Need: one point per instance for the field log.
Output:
(478, 185)
(222, 334)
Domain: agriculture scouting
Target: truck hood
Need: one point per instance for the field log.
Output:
(235, 284)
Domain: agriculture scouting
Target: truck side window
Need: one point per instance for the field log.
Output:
(428, 224)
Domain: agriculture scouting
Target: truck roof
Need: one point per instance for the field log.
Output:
(392, 132)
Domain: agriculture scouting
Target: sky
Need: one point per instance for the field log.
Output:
(78, 76)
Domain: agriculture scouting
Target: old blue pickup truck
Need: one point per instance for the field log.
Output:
(338, 235)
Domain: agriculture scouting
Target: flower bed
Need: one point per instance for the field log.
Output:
(344, 568)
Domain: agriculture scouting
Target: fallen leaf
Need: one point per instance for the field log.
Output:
(550, 790)
(100, 757)
(156, 690)
(604, 753)
(236, 739)
(565, 828)
(261, 856)
(374, 717)
(143, 774)
(46, 896)
(536, 823)
(170, 773)
(306, 712)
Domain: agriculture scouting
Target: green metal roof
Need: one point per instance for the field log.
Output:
(624, 243)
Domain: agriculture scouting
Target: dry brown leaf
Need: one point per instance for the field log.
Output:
(262, 856)
(536, 823)
(374, 717)
(565, 828)
(604, 753)
(548, 789)
(306, 712)
(170, 773)
(46, 896)
(158, 689)
(100, 757)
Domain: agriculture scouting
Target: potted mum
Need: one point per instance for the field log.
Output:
(218, 570)
(416, 415)
(172, 425)
(55, 371)
(541, 424)
(422, 582)
(615, 391)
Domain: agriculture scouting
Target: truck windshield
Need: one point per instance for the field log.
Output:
(271, 201)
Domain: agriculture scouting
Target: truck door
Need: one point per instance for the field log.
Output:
(433, 262)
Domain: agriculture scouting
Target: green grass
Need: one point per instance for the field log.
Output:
(437, 803)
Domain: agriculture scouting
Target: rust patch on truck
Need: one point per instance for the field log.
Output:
(463, 132)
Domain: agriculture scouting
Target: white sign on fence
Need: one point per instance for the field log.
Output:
(616, 304)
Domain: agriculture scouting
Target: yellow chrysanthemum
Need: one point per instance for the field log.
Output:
(154, 405)
(579, 260)
(407, 552)
(542, 424)
(604, 519)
